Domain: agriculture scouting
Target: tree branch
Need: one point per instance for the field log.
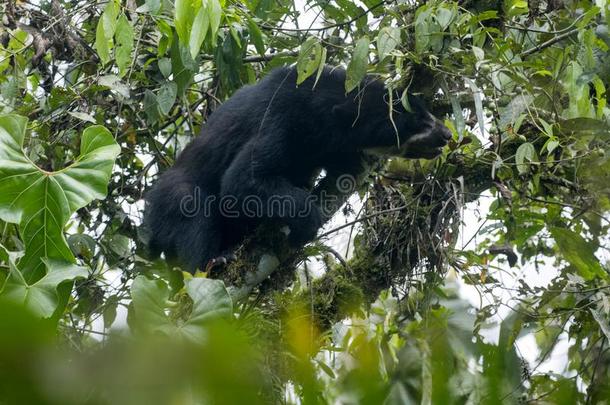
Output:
(548, 43)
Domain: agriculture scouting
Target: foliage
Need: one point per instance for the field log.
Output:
(415, 313)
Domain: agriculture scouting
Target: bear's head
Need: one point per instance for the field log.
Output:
(382, 129)
(421, 135)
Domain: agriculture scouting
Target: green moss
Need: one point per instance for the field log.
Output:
(370, 275)
(265, 239)
(233, 274)
(331, 298)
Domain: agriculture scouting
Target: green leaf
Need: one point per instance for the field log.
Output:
(167, 37)
(551, 144)
(210, 298)
(356, 69)
(478, 53)
(387, 40)
(105, 31)
(235, 29)
(41, 202)
(514, 112)
(182, 67)
(578, 252)
(444, 16)
(460, 124)
(109, 313)
(210, 301)
(82, 245)
(309, 59)
(589, 15)
(167, 97)
(485, 15)
(151, 107)
(516, 7)
(149, 299)
(41, 296)
(603, 323)
(256, 36)
(214, 14)
(321, 66)
(422, 28)
(109, 17)
(324, 367)
(165, 67)
(119, 245)
(115, 84)
(404, 99)
(184, 14)
(153, 6)
(102, 44)
(200, 28)
(82, 116)
(124, 44)
(525, 153)
(600, 95)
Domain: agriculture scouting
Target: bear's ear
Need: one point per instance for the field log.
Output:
(345, 112)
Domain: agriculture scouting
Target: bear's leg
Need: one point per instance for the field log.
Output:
(199, 241)
(273, 197)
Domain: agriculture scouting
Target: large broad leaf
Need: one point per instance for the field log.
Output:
(166, 97)
(193, 21)
(124, 44)
(210, 298)
(200, 28)
(387, 40)
(215, 14)
(149, 299)
(422, 28)
(183, 68)
(525, 153)
(445, 14)
(210, 301)
(41, 202)
(356, 69)
(578, 252)
(41, 296)
(185, 12)
(106, 28)
(256, 36)
(309, 59)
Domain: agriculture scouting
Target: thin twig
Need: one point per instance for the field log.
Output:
(550, 42)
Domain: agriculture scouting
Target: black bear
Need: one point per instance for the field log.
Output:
(260, 151)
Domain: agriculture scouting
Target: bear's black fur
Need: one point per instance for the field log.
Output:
(268, 141)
